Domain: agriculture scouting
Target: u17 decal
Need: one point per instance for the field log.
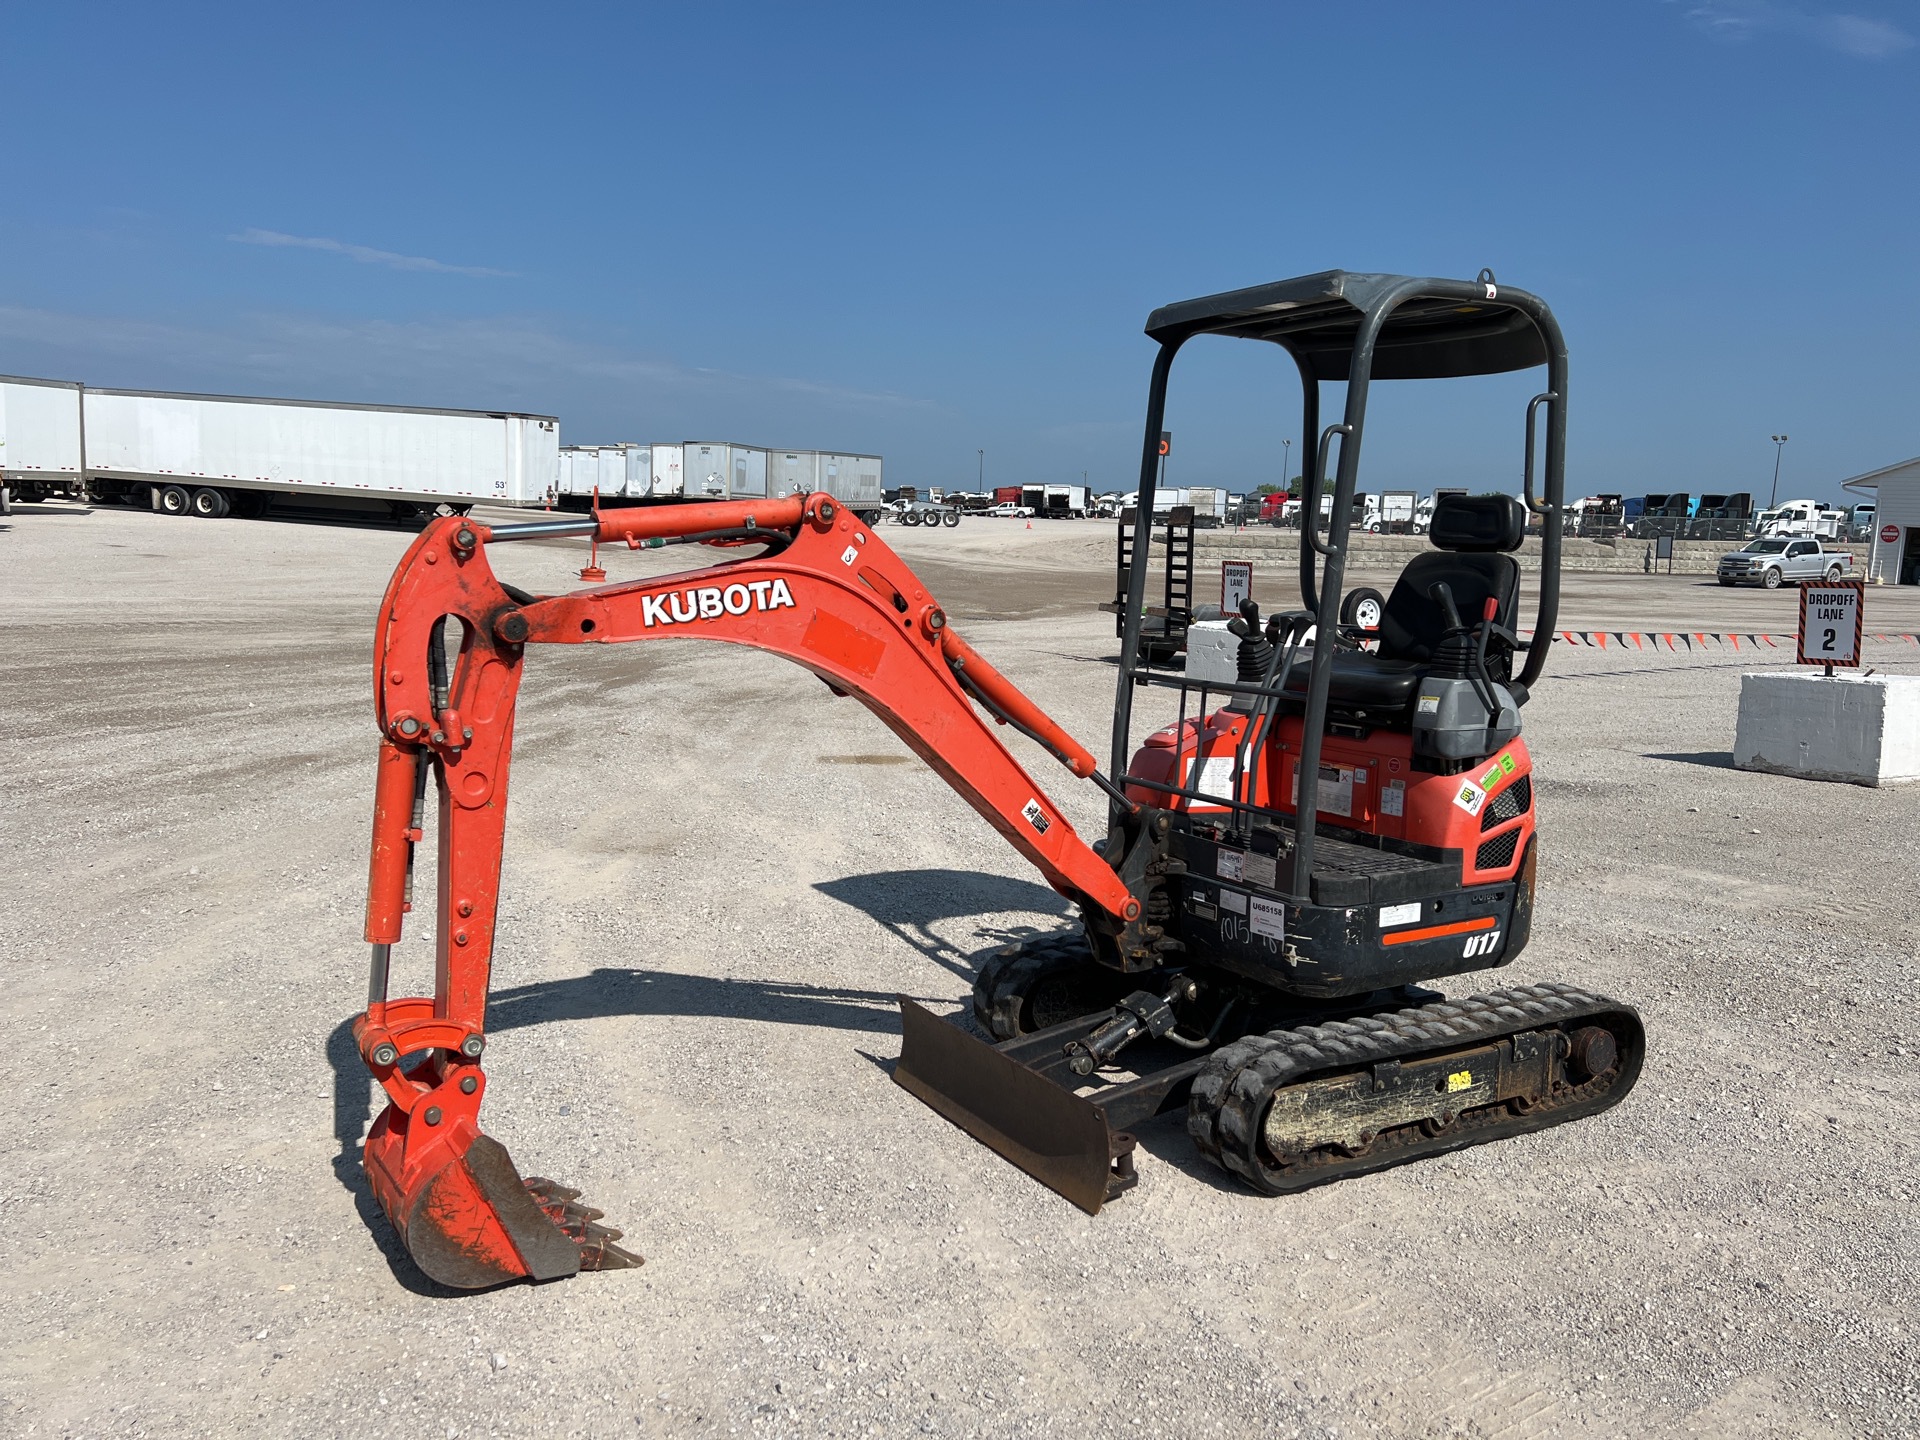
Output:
(1485, 943)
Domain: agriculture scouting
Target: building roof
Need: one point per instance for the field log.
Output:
(1905, 470)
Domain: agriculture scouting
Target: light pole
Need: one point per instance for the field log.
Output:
(1286, 465)
(1779, 444)
(983, 472)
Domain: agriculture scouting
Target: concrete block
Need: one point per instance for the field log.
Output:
(1212, 652)
(1861, 730)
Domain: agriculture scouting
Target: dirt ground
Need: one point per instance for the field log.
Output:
(718, 876)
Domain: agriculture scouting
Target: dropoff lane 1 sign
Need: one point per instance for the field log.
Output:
(1236, 584)
(1832, 614)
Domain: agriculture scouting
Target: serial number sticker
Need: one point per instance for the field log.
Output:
(1458, 1081)
(1229, 864)
(1407, 914)
(1268, 918)
(1260, 869)
(1233, 902)
(1393, 798)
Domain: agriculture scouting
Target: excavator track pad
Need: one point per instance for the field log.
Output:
(1296, 1108)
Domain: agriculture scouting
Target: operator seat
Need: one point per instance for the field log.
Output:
(1474, 538)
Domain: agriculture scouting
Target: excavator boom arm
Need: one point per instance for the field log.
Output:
(825, 592)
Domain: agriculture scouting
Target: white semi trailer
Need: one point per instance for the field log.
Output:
(214, 454)
(857, 481)
(613, 472)
(43, 449)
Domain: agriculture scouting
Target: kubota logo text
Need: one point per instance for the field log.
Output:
(710, 602)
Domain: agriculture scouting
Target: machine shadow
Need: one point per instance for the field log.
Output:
(909, 902)
(906, 902)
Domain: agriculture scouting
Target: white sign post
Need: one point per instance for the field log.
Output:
(1236, 584)
(1832, 615)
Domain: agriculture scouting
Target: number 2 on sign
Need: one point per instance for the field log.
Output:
(1831, 635)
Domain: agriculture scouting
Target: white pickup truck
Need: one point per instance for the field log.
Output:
(1774, 562)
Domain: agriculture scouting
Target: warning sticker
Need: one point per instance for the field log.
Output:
(1229, 864)
(1216, 777)
(1470, 797)
(1429, 704)
(1393, 798)
(1497, 774)
(1259, 869)
(1268, 918)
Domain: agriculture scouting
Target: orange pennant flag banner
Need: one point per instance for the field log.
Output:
(1736, 642)
(1602, 636)
(1669, 640)
(1636, 641)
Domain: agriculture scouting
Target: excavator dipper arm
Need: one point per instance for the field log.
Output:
(826, 593)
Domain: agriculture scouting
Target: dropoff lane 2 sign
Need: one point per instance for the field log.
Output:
(1832, 615)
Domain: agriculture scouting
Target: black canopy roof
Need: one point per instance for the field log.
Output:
(1316, 317)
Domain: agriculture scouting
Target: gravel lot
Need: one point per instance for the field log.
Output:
(717, 878)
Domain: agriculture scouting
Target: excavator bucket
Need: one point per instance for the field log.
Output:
(1059, 1138)
(470, 1221)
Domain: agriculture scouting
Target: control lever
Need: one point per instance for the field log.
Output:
(1441, 594)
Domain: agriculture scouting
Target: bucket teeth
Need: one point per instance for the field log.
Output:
(596, 1241)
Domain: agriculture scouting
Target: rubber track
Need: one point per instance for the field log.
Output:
(1228, 1103)
(1001, 988)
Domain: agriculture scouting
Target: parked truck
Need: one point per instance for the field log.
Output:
(1391, 512)
(42, 444)
(1773, 561)
(1803, 517)
(210, 455)
(1065, 502)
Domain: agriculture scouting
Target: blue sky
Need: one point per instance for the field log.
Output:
(927, 231)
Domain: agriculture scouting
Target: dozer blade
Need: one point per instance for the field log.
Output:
(470, 1221)
(1056, 1136)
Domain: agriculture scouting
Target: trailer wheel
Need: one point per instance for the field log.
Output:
(1363, 607)
(174, 500)
(209, 504)
(910, 517)
(952, 517)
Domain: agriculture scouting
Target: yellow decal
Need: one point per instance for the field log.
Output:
(1458, 1081)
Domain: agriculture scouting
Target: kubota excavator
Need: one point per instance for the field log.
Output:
(1258, 969)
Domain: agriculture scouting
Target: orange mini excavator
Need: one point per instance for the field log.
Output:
(1260, 969)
